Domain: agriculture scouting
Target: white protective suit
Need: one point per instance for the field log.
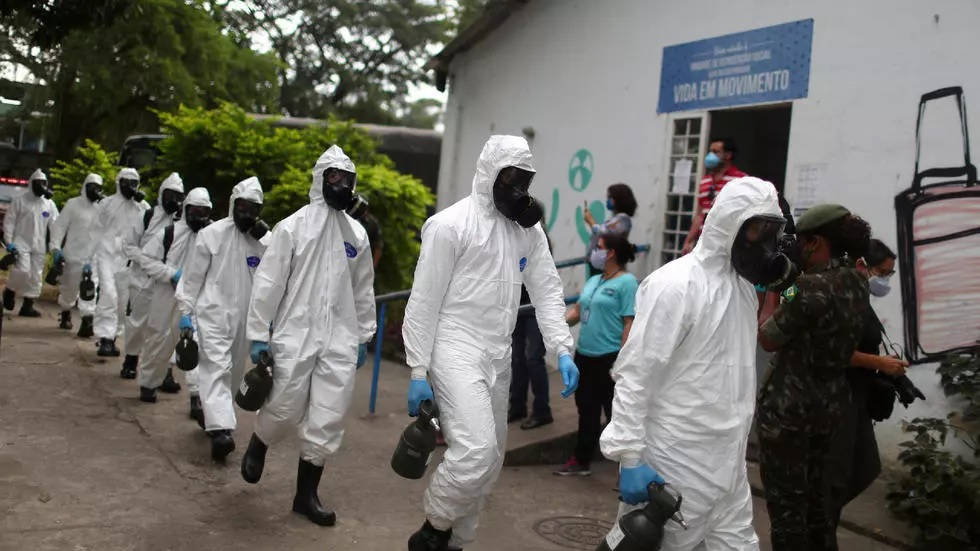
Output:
(162, 316)
(458, 326)
(685, 379)
(26, 226)
(116, 217)
(315, 287)
(72, 233)
(214, 290)
(137, 330)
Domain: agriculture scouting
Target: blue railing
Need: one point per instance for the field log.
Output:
(386, 298)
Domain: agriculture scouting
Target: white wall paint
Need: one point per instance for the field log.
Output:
(585, 74)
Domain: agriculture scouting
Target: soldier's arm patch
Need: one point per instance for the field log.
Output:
(790, 293)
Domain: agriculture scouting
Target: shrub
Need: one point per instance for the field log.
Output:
(67, 177)
(939, 494)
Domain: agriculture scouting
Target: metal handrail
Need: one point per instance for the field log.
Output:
(383, 300)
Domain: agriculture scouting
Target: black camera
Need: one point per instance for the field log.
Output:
(906, 390)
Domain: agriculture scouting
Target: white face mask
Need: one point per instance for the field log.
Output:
(879, 286)
(598, 259)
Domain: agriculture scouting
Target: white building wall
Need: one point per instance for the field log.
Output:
(585, 74)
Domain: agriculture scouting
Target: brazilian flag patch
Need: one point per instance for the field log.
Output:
(790, 293)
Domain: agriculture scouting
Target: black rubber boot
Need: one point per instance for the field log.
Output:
(170, 385)
(107, 348)
(65, 322)
(148, 395)
(429, 539)
(222, 444)
(27, 309)
(86, 331)
(254, 460)
(129, 366)
(197, 412)
(306, 502)
(9, 299)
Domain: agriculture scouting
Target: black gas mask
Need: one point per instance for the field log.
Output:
(245, 213)
(338, 192)
(130, 188)
(170, 200)
(511, 198)
(760, 253)
(93, 192)
(41, 188)
(197, 217)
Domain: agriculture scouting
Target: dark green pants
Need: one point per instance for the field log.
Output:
(793, 464)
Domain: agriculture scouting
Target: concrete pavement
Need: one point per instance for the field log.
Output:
(85, 465)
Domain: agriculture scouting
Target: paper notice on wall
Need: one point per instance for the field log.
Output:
(681, 180)
(809, 179)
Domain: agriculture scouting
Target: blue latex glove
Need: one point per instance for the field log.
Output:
(569, 375)
(257, 348)
(58, 257)
(361, 354)
(176, 277)
(633, 483)
(418, 390)
(186, 323)
(11, 248)
(87, 269)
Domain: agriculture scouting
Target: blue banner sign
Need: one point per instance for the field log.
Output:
(758, 66)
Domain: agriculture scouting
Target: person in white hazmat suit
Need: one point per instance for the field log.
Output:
(155, 220)
(458, 331)
(116, 216)
(72, 239)
(25, 228)
(686, 377)
(162, 259)
(213, 294)
(314, 292)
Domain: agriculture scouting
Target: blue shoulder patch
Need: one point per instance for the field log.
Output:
(523, 263)
(252, 261)
(350, 249)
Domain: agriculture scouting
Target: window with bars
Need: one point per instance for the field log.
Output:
(685, 145)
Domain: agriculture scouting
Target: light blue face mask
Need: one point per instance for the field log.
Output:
(711, 161)
(879, 286)
(598, 259)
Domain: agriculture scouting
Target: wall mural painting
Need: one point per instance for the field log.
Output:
(939, 250)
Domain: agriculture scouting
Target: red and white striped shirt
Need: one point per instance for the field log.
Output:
(711, 185)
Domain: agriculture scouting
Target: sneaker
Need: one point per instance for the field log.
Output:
(573, 468)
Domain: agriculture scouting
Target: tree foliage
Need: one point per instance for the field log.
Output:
(67, 176)
(341, 56)
(104, 83)
(218, 148)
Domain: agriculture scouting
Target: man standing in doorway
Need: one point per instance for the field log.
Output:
(720, 169)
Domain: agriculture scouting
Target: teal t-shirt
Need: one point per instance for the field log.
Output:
(602, 307)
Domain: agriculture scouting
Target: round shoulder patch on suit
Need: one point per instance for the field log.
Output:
(351, 250)
(523, 263)
(252, 261)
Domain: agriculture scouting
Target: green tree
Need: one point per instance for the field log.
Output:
(155, 54)
(218, 148)
(343, 57)
(67, 176)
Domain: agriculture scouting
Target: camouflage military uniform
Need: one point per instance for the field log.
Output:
(817, 328)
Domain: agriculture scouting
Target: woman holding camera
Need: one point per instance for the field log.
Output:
(814, 333)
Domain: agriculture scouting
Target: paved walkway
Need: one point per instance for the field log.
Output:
(85, 465)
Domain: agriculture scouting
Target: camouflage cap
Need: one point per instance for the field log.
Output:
(819, 216)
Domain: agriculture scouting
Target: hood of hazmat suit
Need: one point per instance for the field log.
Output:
(315, 289)
(116, 217)
(26, 222)
(458, 329)
(214, 290)
(686, 377)
(72, 231)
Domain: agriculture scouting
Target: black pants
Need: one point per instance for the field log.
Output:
(527, 363)
(793, 467)
(595, 393)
